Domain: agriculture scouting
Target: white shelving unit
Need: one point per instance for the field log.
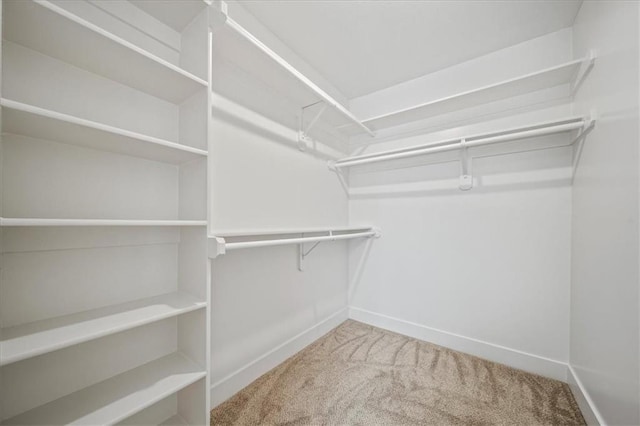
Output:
(103, 223)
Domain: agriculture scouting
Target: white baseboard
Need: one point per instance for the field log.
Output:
(234, 382)
(513, 358)
(589, 410)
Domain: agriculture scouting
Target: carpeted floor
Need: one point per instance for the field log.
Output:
(362, 375)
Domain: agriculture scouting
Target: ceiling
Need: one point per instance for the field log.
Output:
(364, 46)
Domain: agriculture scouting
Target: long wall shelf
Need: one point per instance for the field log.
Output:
(28, 120)
(6, 221)
(538, 129)
(230, 233)
(119, 397)
(33, 339)
(53, 31)
(297, 78)
(567, 73)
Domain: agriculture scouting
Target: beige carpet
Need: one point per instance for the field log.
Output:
(362, 375)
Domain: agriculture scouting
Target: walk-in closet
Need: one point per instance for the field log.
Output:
(275, 212)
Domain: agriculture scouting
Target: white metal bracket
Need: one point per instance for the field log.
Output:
(466, 177)
(216, 247)
(582, 72)
(304, 140)
(578, 142)
(302, 254)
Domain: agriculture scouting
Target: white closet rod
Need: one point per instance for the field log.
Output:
(459, 143)
(220, 246)
(291, 69)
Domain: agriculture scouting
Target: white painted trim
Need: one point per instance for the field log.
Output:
(513, 358)
(234, 382)
(589, 410)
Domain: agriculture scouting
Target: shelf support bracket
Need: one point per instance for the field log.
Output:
(466, 178)
(302, 254)
(216, 247)
(578, 142)
(582, 72)
(304, 140)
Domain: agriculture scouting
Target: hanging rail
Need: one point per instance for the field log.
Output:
(465, 142)
(328, 99)
(218, 245)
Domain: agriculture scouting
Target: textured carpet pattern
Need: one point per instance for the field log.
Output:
(362, 375)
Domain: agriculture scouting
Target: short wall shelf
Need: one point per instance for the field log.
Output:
(32, 121)
(5, 221)
(33, 339)
(119, 397)
(567, 73)
(81, 43)
(218, 243)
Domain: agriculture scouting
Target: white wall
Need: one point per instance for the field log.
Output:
(485, 271)
(261, 301)
(604, 291)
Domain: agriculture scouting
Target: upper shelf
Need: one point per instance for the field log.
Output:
(568, 73)
(232, 233)
(28, 221)
(280, 74)
(49, 29)
(29, 120)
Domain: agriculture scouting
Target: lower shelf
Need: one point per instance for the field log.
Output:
(115, 399)
(36, 338)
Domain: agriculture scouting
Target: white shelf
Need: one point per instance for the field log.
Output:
(6, 221)
(547, 78)
(119, 397)
(285, 231)
(53, 31)
(279, 74)
(218, 244)
(29, 120)
(33, 339)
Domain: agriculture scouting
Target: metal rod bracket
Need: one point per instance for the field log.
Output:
(466, 178)
(304, 140)
(302, 254)
(216, 247)
(582, 72)
(589, 124)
